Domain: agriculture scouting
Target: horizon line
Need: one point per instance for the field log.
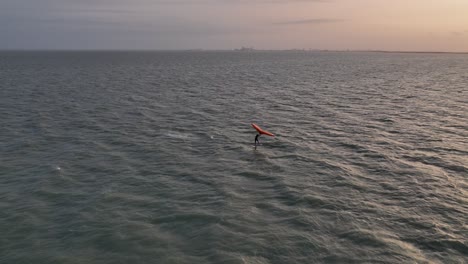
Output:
(236, 50)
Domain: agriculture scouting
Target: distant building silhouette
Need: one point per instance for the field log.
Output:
(245, 49)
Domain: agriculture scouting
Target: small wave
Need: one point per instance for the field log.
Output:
(177, 135)
(438, 162)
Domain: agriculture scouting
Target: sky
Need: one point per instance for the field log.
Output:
(399, 25)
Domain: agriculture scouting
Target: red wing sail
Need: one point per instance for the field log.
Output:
(261, 131)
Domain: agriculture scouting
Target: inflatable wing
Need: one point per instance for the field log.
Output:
(261, 131)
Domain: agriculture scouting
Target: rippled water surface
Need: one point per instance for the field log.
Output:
(147, 157)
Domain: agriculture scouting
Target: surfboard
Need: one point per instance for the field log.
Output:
(261, 131)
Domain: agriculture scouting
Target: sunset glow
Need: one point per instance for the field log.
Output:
(417, 25)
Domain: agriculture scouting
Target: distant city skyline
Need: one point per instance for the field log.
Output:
(397, 25)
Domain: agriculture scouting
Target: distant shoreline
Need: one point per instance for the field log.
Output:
(231, 50)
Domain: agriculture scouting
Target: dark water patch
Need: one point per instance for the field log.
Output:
(442, 245)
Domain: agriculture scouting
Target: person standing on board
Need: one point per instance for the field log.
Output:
(256, 140)
(260, 132)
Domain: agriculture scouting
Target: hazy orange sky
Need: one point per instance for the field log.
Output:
(423, 25)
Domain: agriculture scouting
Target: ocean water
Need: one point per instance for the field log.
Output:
(148, 157)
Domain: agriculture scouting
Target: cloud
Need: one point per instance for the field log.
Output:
(277, 1)
(315, 21)
(238, 1)
(461, 33)
(138, 23)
